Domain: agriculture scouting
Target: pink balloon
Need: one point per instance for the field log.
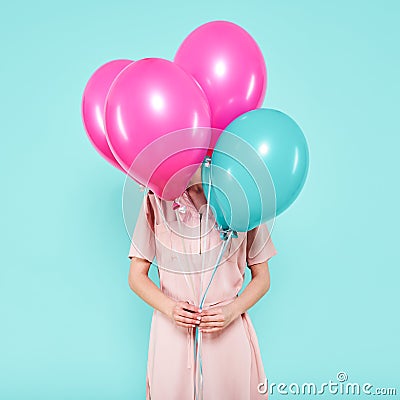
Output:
(229, 66)
(93, 101)
(158, 125)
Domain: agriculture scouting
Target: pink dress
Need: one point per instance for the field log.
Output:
(231, 360)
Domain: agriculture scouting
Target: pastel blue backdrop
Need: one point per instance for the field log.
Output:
(70, 327)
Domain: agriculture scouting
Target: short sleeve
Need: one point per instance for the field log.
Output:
(260, 247)
(142, 242)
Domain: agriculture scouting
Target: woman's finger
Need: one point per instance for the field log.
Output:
(212, 311)
(187, 306)
(182, 324)
(211, 318)
(188, 321)
(187, 314)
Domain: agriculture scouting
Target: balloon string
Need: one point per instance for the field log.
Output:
(208, 161)
(198, 341)
(190, 284)
(198, 335)
(223, 247)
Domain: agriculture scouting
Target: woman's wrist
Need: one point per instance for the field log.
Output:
(236, 308)
(169, 306)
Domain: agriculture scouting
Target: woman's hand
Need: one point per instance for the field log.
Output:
(184, 314)
(217, 318)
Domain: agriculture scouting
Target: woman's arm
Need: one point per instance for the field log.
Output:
(219, 317)
(145, 288)
(257, 287)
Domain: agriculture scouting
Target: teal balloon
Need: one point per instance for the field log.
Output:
(241, 184)
(258, 167)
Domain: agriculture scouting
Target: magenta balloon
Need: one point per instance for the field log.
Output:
(93, 101)
(229, 66)
(150, 99)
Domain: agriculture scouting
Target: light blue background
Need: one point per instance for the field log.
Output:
(70, 327)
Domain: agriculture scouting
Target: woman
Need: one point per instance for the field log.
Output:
(231, 361)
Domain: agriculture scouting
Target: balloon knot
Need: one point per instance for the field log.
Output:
(224, 233)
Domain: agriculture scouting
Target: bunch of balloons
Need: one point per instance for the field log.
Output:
(159, 120)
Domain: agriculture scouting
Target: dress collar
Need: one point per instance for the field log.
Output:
(184, 202)
(185, 208)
